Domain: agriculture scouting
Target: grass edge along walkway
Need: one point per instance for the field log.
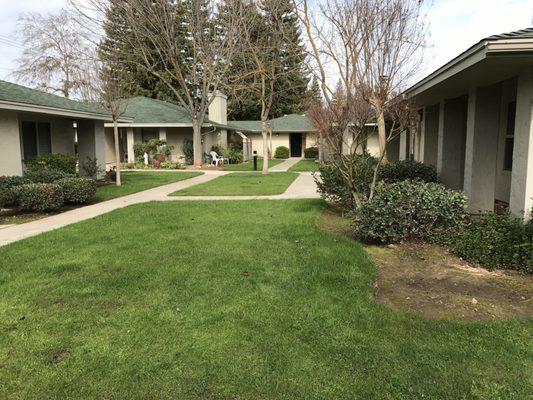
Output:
(242, 184)
(138, 181)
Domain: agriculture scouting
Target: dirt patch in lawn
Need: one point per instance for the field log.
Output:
(426, 279)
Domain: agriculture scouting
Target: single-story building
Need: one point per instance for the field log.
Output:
(33, 122)
(157, 119)
(476, 122)
(293, 131)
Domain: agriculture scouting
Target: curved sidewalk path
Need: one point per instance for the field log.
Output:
(302, 188)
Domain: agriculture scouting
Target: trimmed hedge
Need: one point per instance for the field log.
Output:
(78, 190)
(407, 210)
(7, 189)
(495, 241)
(282, 152)
(46, 176)
(39, 197)
(54, 162)
(332, 186)
(397, 171)
(311, 153)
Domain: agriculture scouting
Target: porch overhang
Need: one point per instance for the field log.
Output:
(484, 64)
(31, 108)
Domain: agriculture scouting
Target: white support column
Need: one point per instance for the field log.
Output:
(469, 148)
(440, 138)
(130, 139)
(11, 149)
(521, 200)
(422, 136)
(163, 134)
(403, 146)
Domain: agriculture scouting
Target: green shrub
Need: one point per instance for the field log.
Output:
(233, 154)
(172, 165)
(56, 162)
(39, 197)
(407, 170)
(78, 190)
(45, 176)
(188, 151)
(408, 209)
(8, 185)
(496, 241)
(282, 152)
(311, 153)
(91, 168)
(335, 189)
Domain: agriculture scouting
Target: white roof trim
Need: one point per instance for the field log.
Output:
(10, 105)
(470, 57)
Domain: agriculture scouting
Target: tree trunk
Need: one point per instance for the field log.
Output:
(264, 132)
(117, 152)
(382, 135)
(197, 142)
(270, 145)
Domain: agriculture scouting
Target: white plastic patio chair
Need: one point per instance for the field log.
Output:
(218, 159)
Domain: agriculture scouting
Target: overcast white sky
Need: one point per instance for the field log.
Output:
(454, 25)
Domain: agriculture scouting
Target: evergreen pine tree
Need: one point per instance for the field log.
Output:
(292, 88)
(117, 54)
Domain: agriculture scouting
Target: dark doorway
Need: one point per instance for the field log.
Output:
(295, 143)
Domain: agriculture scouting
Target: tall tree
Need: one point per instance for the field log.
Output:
(54, 55)
(291, 91)
(373, 46)
(265, 54)
(192, 73)
(117, 53)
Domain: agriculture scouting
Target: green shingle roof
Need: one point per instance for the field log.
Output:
(20, 94)
(287, 123)
(521, 34)
(145, 110)
(247, 126)
(292, 123)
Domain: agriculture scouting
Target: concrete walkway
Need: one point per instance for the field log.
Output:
(285, 165)
(303, 187)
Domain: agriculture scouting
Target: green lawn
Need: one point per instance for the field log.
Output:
(249, 165)
(137, 181)
(242, 184)
(151, 302)
(304, 166)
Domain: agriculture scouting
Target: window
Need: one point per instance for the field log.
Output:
(36, 139)
(509, 137)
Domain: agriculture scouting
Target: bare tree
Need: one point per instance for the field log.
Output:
(53, 58)
(193, 71)
(263, 46)
(373, 48)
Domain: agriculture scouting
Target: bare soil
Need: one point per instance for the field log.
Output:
(427, 279)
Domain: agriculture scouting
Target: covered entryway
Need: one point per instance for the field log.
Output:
(295, 144)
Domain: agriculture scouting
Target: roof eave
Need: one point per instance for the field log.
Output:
(470, 57)
(16, 106)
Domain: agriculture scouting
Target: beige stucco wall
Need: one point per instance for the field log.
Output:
(176, 137)
(109, 146)
(279, 139)
(10, 150)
